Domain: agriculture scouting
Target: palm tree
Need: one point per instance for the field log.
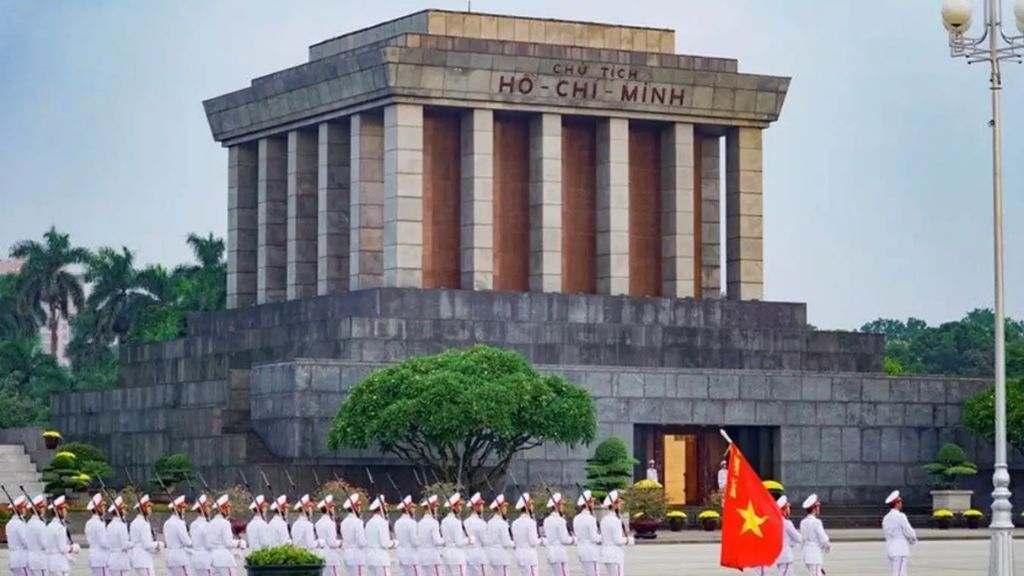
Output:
(204, 286)
(45, 281)
(17, 318)
(118, 297)
(209, 251)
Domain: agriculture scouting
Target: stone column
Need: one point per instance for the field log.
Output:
(677, 209)
(744, 250)
(333, 207)
(366, 224)
(477, 212)
(546, 203)
(302, 213)
(711, 218)
(403, 195)
(243, 201)
(272, 214)
(613, 206)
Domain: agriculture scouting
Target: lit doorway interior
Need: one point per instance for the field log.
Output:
(681, 475)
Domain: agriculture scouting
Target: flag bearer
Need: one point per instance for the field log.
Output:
(588, 535)
(405, 535)
(476, 529)
(525, 537)
(453, 532)
(327, 532)
(556, 530)
(613, 536)
(499, 537)
(179, 543)
(899, 535)
(816, 542)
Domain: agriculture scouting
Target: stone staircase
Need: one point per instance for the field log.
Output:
(17, 469)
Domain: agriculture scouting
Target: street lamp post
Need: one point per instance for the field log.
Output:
(993, 46)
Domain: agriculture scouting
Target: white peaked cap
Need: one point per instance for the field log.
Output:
(894, 496)
(280, 504)
(782, 502)
(58, 502)
(329, 499)
(350, 501)
(259, 501)
(555, 499)
(498, 501)
(475, 499)
(223, 500)
(521, 503)
(453, 499)
(611, 498)
(20, 501)
(430, 501)
(581, 501)
(584, 497)
(178, 501)
(39, 500)
(144, 499)
(811, 501)
(377, 504)
(119, 502)
(302, 502)
(199, 501)
(93, 502)
(407, 501)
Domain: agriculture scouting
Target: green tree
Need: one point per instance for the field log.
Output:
(950, 464)
(172, 469)
(118, 299)
(979, 414)
(611, 468)
(31, 371)
(17, 318)
(463, 413)
(45, 279)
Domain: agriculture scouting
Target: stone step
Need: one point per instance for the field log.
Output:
(22, 476)
(17, 469)
(11, 449)
(15, 460)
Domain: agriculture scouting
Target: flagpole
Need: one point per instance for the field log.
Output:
(725, 435)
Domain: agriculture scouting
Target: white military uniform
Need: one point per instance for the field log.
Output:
(499, 539)
(222, 542)
(405, 535)
(476, 529)
(455, 539)
(202, 563)
(899, 537)
(816, 542)
(526, 539)
(303, 534)
(59, 549)
(378, 540)
(35, 541)
(429, 543)
(790, 538)
(179, 544)
(277, 532)
(588, 536)
(119, 547)
(256, 530)
(613, 538)
(16, 544)
(556, 530)
(143, 546)
(353, 540)
(327, 532)
(96, 537)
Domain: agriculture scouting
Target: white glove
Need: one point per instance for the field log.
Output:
(630, 541)
(394, 544)
(320, 544)
(159, 546)
(543, 541)
(469, 540)
(574, 540)
(75, 549)
(242, 545)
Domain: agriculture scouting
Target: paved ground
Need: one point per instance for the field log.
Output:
(949, 558)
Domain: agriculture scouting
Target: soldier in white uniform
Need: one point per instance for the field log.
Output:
(525, 537)
(499, 537)
(59, 547)
(16, 534)
(36, 537)
(790, 538)
(556, 530)
(353, 537)
(455, 538)
(222, 541)
(588, 535)
(899, 535)
(816, 542)
(613, 536)
(96, 536)
(327, 532)
(202, 563)
(405, 535)
(119, 545)
(428, 539)
(303, 533)
(256, 530)
(476, 529)
(179, 543)
(378, 539)
(278, 532)
(144, 545)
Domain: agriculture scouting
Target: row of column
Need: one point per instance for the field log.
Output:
(341, 206)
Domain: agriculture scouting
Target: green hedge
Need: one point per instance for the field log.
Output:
(286, 555)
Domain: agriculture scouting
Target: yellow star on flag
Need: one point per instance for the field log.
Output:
(751, 521)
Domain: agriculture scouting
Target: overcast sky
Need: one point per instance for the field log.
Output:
(877, 175)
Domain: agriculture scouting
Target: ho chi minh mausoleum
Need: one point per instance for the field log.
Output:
(449, 178)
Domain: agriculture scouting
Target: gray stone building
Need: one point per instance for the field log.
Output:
(450, 178)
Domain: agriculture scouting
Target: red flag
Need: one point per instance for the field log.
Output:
(751, 520)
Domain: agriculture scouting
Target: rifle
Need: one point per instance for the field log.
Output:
(131, 482)
(515, 485)
(398, 494)
(207, 488)
(163, 486)
(341, 484)
(256, 505)
(11, 500)
(110, 496)
(373, 484)
(447, 498)
(29, 498)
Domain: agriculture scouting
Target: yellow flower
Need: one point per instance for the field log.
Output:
(51, 434)
(942, 513)
(676, 514)
(65, 454)
(647, 484)
(773, 485)
(708, 514)
(972, 514)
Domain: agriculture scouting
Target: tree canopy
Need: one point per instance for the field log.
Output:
(463, 413)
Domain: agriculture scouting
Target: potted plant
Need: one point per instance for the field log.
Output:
(676, 520)
(973, 518)
(645, 503)
(287, 560)
(611, 468)
(51, 438)
(943, 518)
(950, 464)
(709, 520)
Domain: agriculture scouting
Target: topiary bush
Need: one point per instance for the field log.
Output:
(286, 555)
(91, 460)
(64, 474)
(950, 464)
(611, 468)
(172, 469)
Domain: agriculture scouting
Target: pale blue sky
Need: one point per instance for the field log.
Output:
(877, 186)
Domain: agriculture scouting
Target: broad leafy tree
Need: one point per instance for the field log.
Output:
(464, 413)
(45, 280)
(979, 414)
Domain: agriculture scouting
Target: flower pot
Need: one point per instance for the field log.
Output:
(645, 528)
(51, 442)
(676, 524)
(956, 501)
(3, 533)
(300, 570)
(943, 523)
(973, 522)
(709, 524)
